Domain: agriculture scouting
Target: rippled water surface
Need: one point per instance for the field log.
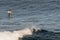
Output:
(44, 14)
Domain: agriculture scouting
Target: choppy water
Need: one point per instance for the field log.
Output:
(44, 14)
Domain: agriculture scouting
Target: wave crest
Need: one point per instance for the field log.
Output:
(6, 35)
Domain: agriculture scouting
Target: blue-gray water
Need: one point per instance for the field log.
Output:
(44, 14)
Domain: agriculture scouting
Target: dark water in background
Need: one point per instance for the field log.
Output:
(42, 35)
(44, 14)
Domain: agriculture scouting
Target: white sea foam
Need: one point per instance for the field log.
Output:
(7, 35)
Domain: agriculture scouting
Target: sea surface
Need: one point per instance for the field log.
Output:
(40, 14)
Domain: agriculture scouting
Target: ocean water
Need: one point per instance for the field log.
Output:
(39, 14)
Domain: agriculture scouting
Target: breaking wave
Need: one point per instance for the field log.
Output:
(15, 35)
